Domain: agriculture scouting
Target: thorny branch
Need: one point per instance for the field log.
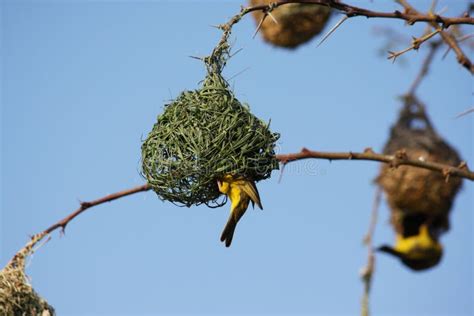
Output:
(368, 271)
(425, 67)
(448, 38)
(85, 205)
(400, 158)
(411, 17)
(415, 45)
(35, 239)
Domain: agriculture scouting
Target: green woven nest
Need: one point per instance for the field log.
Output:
(201, 136)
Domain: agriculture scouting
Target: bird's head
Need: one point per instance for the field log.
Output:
(223, 186)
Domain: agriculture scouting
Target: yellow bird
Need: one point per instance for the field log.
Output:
(240, 192)
(417, 252)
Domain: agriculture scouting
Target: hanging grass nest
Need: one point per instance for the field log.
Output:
(17, 297)
(297, 23)
(417, 195)
(203, 135)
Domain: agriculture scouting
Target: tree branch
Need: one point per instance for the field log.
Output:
(351, 11)
(85, 205)
(415, 45)
(367, 272)
(35, 239)
(425, 67)
(448, 38)
(400, 158)
(410, 15)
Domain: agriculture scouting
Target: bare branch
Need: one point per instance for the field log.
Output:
(368, 271)
(448, 38)
(411, 17)
(400, 158)
(415, 44)
(86, 205)
(425, 67)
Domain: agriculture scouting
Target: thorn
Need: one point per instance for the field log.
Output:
(305, 150)
(393, 56)
(446, 53)
(471, 110)
(332, 30)
(259, 25)
(433, 6)
(62, 232)
(273, 18)
(369, 150)
(195, 57)
(239, 73)
(446, 174)
(401, 154)
(283, 165)
(236, 52)
(85, 205)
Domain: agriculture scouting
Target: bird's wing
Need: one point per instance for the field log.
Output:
(250, 189)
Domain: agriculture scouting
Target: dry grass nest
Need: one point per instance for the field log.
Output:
(297, 23)
(415, 191)
(17, 296)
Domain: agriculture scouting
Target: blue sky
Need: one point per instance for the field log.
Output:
(82, 84)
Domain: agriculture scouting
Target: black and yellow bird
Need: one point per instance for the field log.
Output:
(240, 192)
(418, 252)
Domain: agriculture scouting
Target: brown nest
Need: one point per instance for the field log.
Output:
(297, 23)
(17, 296)
(417, 195)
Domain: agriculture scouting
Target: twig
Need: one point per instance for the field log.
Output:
(367, 275)
(471, 110)
(35, 239)
(415, 45)
(424, 67)
(373, 218)
(400, 158)
(448, 38)
(85, 205)
(368, 271)
(459, 40)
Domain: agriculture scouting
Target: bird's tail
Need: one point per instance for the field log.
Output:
(228, 232)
